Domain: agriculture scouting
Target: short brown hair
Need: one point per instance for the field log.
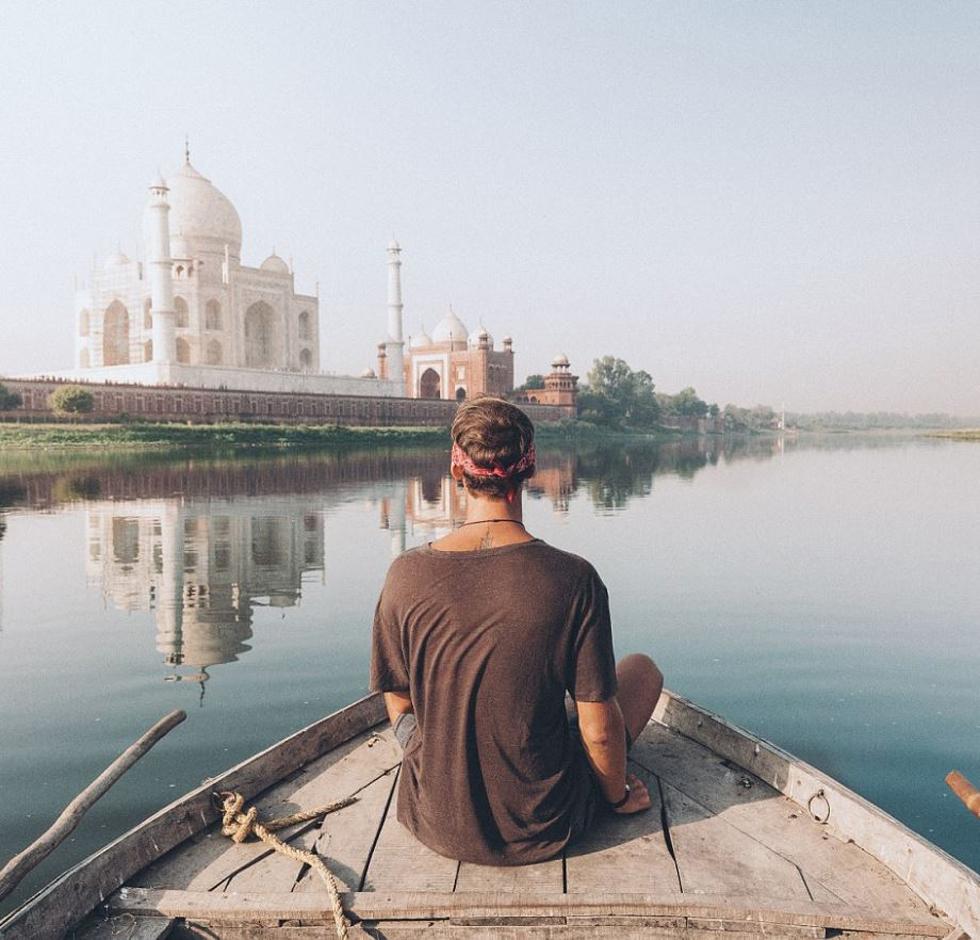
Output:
(493, 432)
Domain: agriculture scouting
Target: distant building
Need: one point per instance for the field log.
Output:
(450, 363)
(560, 387)
(190, 313)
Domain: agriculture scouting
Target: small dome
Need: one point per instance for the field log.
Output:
(560, 361)
(394, 246)
(116, 260)
(450, 329)
(275, 264)
(368, 374)
(480, 336)
(201, 216)
(420, 340)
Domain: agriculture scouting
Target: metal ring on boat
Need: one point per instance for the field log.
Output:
(809, 805)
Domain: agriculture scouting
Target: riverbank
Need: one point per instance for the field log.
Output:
(243, 436)
(966, 434)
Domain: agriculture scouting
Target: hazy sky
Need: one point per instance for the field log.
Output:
(773, 202)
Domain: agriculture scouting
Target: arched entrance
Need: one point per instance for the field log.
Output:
(183, 351)
(460, 394)
(429, 384)
(262, 349)
(214, 353)
(115, 335)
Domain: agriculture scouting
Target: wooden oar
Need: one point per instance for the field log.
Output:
(965, 790)
(14, 871)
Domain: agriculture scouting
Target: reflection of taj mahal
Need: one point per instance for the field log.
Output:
(203, 570)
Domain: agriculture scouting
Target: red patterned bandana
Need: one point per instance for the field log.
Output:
(461, 459)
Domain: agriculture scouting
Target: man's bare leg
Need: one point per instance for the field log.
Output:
(640, 685)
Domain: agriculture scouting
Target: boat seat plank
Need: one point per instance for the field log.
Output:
(542, 877)
(628, 853)
(474, 908)
(400, 862)
(715, 858)
(209, 860)
(345, 840)
(831, 869)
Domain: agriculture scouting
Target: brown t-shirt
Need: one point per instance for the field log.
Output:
(486, 643)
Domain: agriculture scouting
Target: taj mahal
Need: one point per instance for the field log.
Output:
(190, 313)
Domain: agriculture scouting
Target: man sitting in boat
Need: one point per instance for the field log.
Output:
(477, 637)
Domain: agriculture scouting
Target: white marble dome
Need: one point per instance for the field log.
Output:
(275, 264)
(419, 340)
(116, 260)
(201, 216)
(560, 361)
(450, 329)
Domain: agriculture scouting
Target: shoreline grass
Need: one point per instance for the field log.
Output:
(963, 434)
(136, 436)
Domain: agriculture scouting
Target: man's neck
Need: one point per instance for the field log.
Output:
(481, 509)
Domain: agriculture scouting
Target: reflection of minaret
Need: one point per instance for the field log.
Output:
(396, 518)
(394, 344)
(170, 592)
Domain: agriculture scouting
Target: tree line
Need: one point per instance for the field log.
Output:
(618, 397)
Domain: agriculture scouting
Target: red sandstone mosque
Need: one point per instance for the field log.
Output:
(454, 363)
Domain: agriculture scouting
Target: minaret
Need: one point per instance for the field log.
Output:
(394, 345)
(161, 275)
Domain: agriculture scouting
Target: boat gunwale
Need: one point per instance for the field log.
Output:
(63, 902)
(952, 888)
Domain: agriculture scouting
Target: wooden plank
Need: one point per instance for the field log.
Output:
(347, 837)
(831, 869)
(431, 905)
(715, 858)
(374, 760)
(940, 880)
(76, 892)
(401, 863)
(401, 930)
(124, 927)
(542, 877)
(627, 852)
(210, 859)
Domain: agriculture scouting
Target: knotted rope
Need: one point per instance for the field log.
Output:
(238, 823)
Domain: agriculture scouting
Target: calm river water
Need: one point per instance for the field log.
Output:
(822, 593)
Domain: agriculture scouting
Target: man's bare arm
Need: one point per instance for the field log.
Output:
(604, 737)
(397, 704)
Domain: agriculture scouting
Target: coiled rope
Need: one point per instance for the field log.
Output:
(239, 822)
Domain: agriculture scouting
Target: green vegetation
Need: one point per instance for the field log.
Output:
(207, 436)
(72, 400)
(618, 397)
(964, 434)
(9, 400)
(530, 383)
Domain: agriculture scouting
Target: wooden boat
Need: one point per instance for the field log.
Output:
(743, 841)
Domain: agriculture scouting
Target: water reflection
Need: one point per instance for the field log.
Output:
(202, 568)
(201, 543)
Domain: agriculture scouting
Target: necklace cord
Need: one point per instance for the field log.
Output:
(488, 521)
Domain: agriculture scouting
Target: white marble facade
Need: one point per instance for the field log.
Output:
(225, 313)
(190, 313)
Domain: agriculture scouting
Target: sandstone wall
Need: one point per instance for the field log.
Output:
(169, 403)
